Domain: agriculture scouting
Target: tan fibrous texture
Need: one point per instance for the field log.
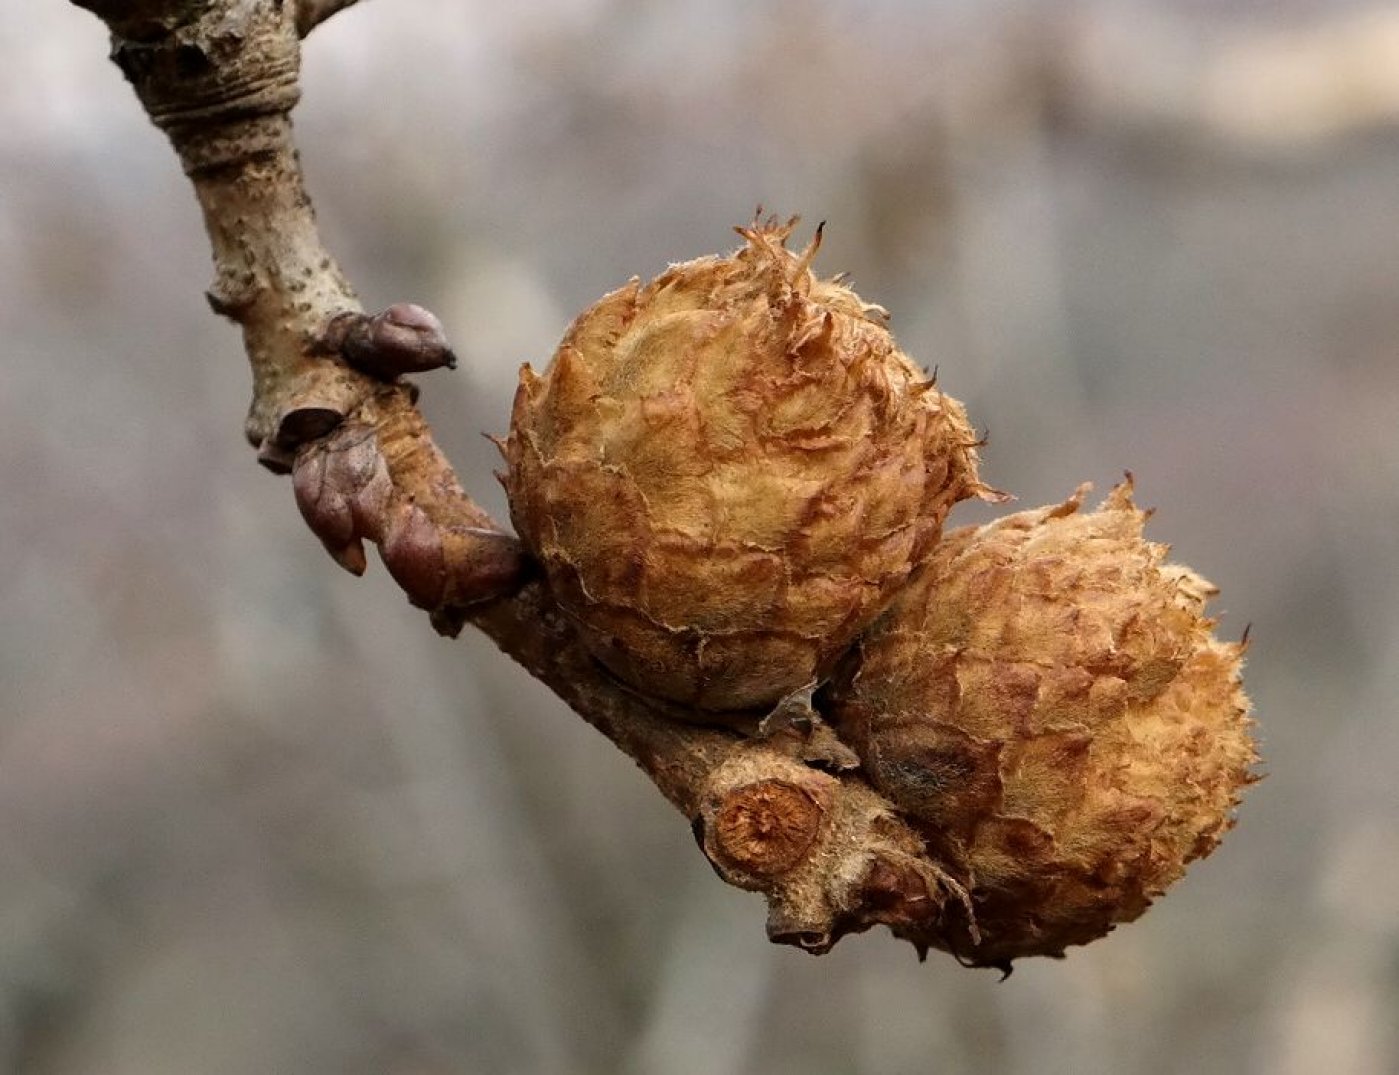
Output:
(728, 472)
(1048, 704)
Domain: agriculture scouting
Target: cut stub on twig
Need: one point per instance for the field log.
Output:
(827, 851)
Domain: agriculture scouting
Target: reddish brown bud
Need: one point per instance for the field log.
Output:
(351, 557)
(352, 458)
(325, 508)
(405, 338)
(483, 564)
(413, 553)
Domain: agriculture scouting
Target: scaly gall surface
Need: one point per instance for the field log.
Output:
(1048, 704)
(728, 473)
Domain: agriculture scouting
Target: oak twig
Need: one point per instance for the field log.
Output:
(781, 814)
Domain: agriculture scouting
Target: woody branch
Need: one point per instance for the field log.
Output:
(221, 78)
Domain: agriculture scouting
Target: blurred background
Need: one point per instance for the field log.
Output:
(255, 816)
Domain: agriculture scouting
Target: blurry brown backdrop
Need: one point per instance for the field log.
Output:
(255, 817)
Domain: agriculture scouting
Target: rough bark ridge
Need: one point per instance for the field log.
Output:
(786, 814)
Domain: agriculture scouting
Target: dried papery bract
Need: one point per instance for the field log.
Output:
(728, 472)
(1047, 703)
